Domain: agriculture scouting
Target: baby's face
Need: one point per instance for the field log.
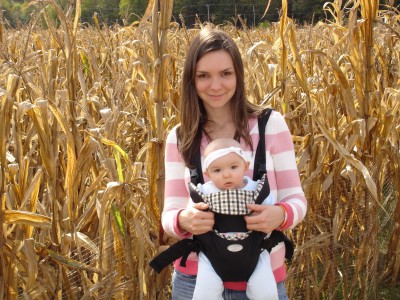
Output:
(227, 171)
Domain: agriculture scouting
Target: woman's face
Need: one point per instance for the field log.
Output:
(215, 79)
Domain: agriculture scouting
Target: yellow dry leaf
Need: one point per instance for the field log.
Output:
(26, 218)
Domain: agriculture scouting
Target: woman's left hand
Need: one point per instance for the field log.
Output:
(264, 218)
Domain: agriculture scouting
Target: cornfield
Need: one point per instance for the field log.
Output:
(85, 111)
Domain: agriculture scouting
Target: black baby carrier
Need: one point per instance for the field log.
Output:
(233, 258)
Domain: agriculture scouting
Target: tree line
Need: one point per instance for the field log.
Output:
(187, 12)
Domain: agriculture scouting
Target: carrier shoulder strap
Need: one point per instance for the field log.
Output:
(260, 165)
(196, 174)
(260, 160)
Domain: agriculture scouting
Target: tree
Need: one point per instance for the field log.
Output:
(132, 10)
(15, 12)
(217, 11)
(307, 10)
(107, 10)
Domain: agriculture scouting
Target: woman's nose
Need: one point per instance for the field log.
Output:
(215, 83)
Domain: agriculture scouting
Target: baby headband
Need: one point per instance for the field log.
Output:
(221, 152)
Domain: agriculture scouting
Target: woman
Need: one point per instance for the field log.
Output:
(214, 105)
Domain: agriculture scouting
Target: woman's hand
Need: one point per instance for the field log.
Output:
(195, 220)
(264, 218)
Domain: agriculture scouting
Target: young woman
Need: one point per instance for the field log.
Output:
(214, 105)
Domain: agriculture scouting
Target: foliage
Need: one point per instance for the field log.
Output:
(264, 24)
(246, 12)
(16, 13)
(132, 10)
(107, 11)
(308, 10)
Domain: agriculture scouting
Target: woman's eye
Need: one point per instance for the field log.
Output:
(202, 76)
(226, 74)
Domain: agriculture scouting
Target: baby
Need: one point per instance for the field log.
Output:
(226, 166)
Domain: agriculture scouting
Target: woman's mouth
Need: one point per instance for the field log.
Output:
(216, 96)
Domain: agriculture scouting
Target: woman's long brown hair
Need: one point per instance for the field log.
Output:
(193, 113)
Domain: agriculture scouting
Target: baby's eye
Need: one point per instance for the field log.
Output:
(234, 167)
(217, 170)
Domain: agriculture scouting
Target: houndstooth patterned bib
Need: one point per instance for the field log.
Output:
(231, 202)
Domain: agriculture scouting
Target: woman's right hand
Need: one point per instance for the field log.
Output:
(195, 220)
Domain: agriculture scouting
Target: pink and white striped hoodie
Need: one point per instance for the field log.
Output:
(282, 175)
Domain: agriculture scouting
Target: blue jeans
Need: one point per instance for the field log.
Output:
(183, 287)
